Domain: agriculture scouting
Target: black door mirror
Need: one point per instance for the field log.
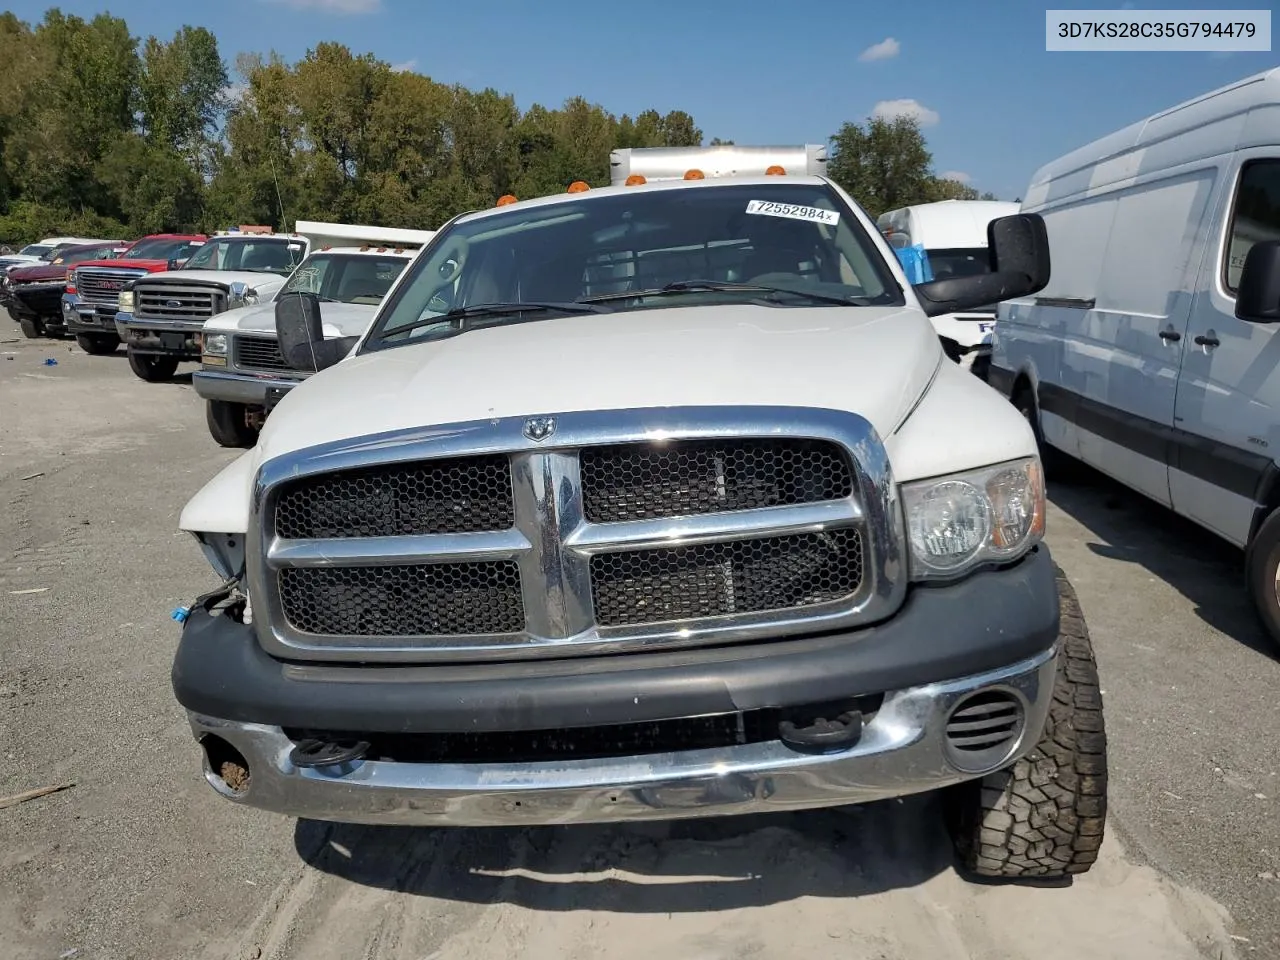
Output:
(301, 334)
(1019, 251)
(1258, 299)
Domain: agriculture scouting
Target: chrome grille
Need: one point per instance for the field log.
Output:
(715, 579)
(171, 300)
(633, 482)
(257, 353)
(624, 530)
(101, 285)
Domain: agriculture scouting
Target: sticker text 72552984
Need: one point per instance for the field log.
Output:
(792, 211)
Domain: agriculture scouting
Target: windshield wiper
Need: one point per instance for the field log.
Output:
(703, 286)
(462, 315)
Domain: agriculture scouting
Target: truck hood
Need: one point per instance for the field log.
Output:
(225, 278)
(39, 274)
(338, 319)
(870, 360)
(151, 266)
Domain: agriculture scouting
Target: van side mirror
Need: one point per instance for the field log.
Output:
(1019, 250)
(1258, 298)
(301, 334)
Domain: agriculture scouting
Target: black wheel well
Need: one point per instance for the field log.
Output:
(1266, 499)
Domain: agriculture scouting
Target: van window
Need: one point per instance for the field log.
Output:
(952, 262)
(1255, 216)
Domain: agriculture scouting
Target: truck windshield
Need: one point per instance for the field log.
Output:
(162, 248)
(35, 249)
(346, 278)
(259, 255)
(958, 262)
(778, 244)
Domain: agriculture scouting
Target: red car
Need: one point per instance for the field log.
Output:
(33, 293)
(93, 287)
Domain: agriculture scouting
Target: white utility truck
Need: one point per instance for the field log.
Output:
(953, 234)
(1149, 354)
(242, 372)
(583, 529)
(161, 314)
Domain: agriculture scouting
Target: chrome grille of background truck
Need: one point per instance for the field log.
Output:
(101, 286)
(257, 353)
(612, 531)
(161, 300)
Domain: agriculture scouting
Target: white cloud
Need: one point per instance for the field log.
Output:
(957, 175)
(334, 6)
(886, 49)
(404, 67)
(892, 109)
(235, 92)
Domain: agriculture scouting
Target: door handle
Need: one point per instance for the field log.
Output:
(1171, 335)
(1209, 341)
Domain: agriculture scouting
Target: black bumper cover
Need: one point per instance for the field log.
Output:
(990, 620)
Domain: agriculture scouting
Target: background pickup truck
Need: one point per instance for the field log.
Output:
(96, 285)
(35, 291)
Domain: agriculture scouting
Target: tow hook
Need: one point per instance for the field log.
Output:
(312, 753)
(838, 733)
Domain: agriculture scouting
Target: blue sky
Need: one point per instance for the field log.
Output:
(995, 104)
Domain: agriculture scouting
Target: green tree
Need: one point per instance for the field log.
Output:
(884, 164)
(180, 93)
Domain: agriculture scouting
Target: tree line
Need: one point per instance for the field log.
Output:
(106, 134)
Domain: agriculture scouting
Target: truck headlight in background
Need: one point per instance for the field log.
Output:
(216, 344)
(957, 522)
(125, 303)
(241, 295)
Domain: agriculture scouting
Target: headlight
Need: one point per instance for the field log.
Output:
(125, 303)
(957, 522)
(216, 344)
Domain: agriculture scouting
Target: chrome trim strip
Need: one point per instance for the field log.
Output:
(376, 551)
(713, 527)
(902, 751)
(555, 568)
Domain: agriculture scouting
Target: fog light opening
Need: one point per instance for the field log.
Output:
(225, 767)
(984, 728)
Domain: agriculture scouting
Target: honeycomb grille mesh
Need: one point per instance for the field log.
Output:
(646, 481)
(404, 600)
(743, 576)
(463, 495)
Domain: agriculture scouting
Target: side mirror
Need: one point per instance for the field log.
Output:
(1019, 246)
(301, 335)
(1258, 298)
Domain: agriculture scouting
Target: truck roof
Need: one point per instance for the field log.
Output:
(1122, 154)
(948, 224)
(721, 160)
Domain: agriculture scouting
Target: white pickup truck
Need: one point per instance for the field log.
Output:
(161, 314)
(242, 373)
(584, 529)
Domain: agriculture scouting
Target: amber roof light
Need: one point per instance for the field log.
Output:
(635, 180)
(578, 186)
(694, 175)
(504, 200)
(775, 171)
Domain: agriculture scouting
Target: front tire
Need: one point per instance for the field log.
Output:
(152, 368)
(1262, 568)
(1057, 465)
(32, 328)
(97, 344)
(1045, 815)
(227, 424)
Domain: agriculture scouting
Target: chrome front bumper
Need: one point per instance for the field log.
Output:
(237, 388)
(902, 751)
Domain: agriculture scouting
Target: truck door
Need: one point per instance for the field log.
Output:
(1229, 388)
(1125, 417)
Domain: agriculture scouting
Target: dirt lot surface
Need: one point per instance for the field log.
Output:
(139, 859)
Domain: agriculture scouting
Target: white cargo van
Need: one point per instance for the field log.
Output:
(1152, 352)
(954, 236)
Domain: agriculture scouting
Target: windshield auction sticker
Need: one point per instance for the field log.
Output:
(791, 211)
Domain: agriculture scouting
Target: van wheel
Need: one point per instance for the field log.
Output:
(1045, 815)
(152, 368)
(32, 329)
(1262, 568)
(227, 424)
(97, 344)
(1057, 465)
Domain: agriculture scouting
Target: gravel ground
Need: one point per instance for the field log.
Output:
(140, 860)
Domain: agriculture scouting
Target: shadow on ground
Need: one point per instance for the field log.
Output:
(1201, 566)
(646, 868)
